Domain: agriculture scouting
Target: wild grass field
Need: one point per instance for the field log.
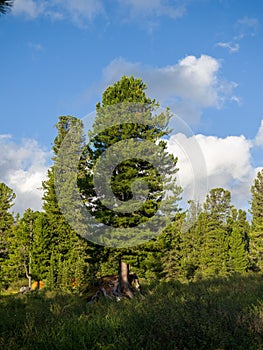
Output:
(225, 313)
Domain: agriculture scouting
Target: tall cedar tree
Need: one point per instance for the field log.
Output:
(192, 239)
(184, 244)
(42, 246)
(214, 256)
(63, 240)
(172, 252)
(238, 241)
(127, 90)
(256, 232)
(7, 197)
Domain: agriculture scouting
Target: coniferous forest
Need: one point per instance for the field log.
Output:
(200, 278)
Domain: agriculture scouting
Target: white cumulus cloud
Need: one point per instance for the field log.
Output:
(212, 161)
(204, 162)
(188, 86)
(23, 167)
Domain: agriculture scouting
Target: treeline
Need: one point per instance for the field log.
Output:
(210, 239)
(219, 242)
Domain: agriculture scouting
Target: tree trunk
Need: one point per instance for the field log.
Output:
(125, 287)
(28, 275)
(28, 267)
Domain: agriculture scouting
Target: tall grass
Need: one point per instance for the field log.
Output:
(213, 314)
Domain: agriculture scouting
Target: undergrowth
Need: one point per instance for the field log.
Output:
(225, 313)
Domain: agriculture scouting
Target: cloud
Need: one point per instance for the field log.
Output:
(188, 86)
(245, 27)
(204, 162)
(259, 136)
(5, 137)
(36, 47)
(83, 12)
(23, 167)
(152, 8)
(232, 47)
(79, 12)
(29, 8)
(226, 163)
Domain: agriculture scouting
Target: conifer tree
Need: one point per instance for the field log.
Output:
(256, 232)
(214, 257)
(62, 240)
(30, 247)
(62, 234)
(42, 246)
(7, 197)
(130, 93)
(172, 253)
(238, 241)
(191, 242)
(51, 280)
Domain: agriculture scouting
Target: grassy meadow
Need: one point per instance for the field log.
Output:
(225, 313)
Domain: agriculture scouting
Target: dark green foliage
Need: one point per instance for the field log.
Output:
(199, 246)
(256, 233)
(71, 273)
(42, 246)
(207, 242)
(68, 254)
(61, 233)
(150, 128)
(238, 242)
(21, 255)
(172, 252)
(5, 6)
(217, 205)
(30, 247)
(214, 256)
(7, 197)
(122, 96)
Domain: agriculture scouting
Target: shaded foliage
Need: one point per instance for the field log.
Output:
(5, 6)
(223, 313)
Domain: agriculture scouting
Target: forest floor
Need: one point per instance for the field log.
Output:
(216, 314)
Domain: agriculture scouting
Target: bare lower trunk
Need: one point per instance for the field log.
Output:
(28, 276)
(124, 284)
(28, 266)
(115, 286)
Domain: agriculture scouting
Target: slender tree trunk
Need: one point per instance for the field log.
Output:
(125, 287)
(28, 275)
(28, 267)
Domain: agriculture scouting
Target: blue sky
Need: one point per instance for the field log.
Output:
(203, 58)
